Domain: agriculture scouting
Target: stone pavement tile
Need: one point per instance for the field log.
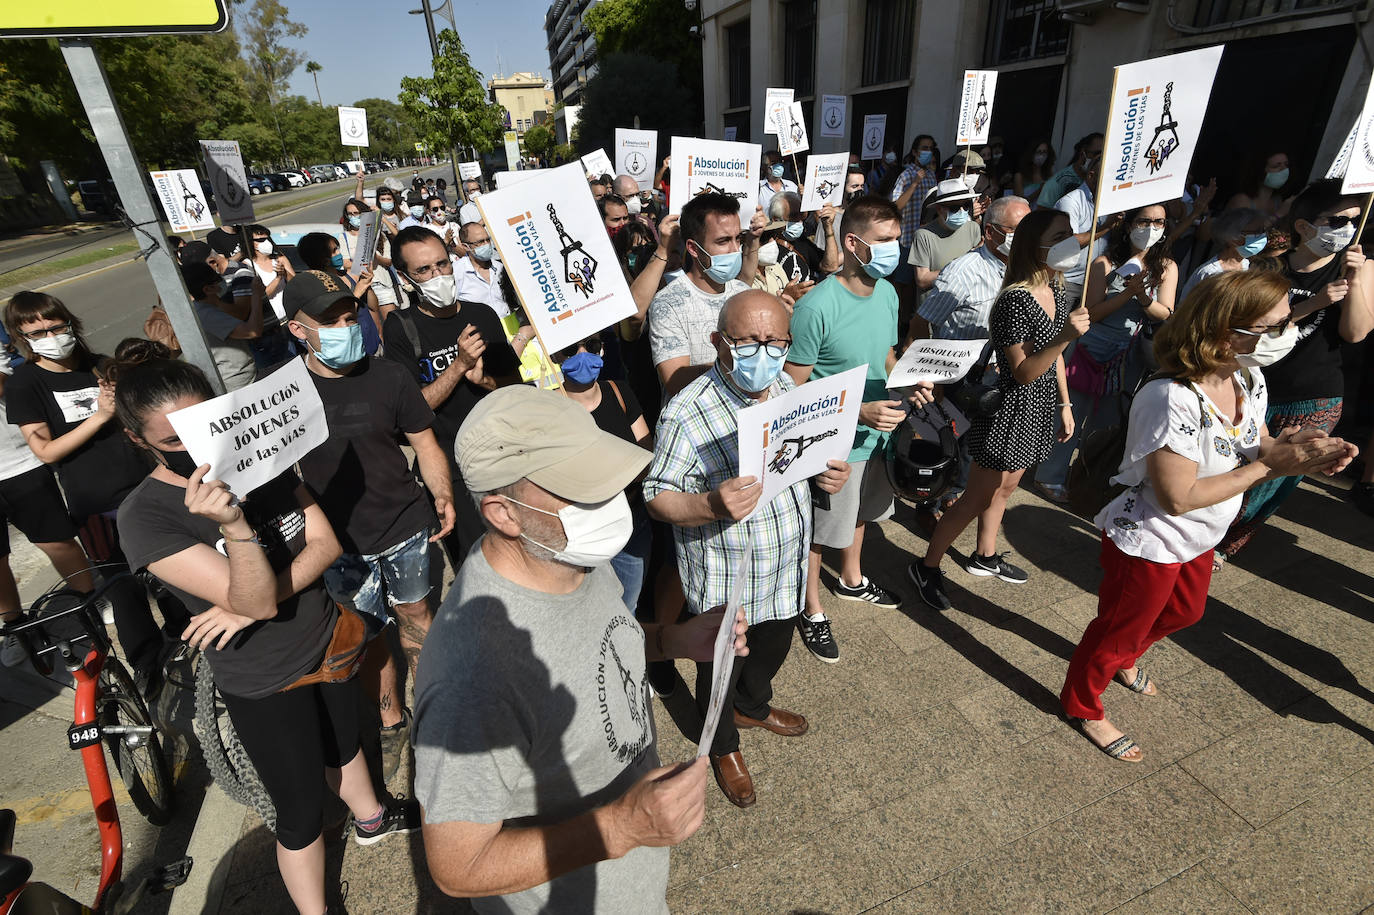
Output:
(1155, 828)
(1165, 729)
(1005, 717)
(1193, 892)
(1237, 689)
(1318, 857)
(906, 628)
(902, 688)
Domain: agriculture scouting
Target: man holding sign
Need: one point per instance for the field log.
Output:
(694, 485)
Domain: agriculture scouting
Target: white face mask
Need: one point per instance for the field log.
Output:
(768, 254)
(58, 346)
(1269, 350)
(440, 291)
(596, 533)
(1005, 247)
(633, 205)
(971, 180)
(1064, 254)
(263, 247)
(1144, 237)
(1330, 240)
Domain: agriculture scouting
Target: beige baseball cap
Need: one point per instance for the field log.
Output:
(521, 431)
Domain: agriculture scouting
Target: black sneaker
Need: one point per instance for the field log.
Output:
(866, 591)
(997, 566)
(400, 816)
(663, 678)
(394, 740)
(817, 637)
(930, 584)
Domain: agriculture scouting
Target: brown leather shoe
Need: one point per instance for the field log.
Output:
(779, 721)
(734, 779)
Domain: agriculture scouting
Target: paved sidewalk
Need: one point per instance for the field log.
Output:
(938, 777)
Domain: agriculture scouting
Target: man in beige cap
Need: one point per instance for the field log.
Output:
(534, 740)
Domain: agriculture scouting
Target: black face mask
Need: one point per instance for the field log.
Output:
(179, 462)
(638, 256)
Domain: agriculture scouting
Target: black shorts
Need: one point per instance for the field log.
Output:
(33, 503)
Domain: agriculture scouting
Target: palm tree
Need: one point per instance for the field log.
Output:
(313, 69)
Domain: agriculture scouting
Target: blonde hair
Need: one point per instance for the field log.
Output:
(1193, 342)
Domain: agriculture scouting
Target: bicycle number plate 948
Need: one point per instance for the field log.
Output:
(80, 736)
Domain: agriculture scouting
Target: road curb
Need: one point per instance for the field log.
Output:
(213, 845)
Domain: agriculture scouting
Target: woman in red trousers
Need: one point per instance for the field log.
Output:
(1196, 441)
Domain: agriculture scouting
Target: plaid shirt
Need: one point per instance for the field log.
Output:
(696, 449)
(911, 214)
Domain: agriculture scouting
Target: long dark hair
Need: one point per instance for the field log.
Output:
(1027, 166)
(1026, 266)
(1120, 249)
(29, 306)
(146, 380)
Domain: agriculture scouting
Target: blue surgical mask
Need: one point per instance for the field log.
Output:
(882, 259)
(582, 367)
(956, 218)
(1276, 180)
(724, 267)
(337, 261)
(387, 205)
(484, 253)
(756, 372)
(890, 158)
(340, 347)
(924, 156)
(1253, 244)
(793, 230)
(417, 211)
(354, 221)
(775, 170)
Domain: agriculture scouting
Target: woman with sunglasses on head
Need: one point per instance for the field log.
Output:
(1331, 289)
(1197, 440)
(1130, 291)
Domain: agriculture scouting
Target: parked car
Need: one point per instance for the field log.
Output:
(323, 173)
(98, 195)
(257, 184)
(278, 181)
(340, 170)
(295, 178)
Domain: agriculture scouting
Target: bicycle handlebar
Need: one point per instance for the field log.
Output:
(38, 640)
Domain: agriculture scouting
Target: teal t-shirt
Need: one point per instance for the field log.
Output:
(835, 330)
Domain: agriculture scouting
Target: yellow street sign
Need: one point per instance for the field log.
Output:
(93, 18)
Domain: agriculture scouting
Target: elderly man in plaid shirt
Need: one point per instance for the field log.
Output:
(694, 485)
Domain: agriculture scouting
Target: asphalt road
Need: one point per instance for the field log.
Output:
(114, 302)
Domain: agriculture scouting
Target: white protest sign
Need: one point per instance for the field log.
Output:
(506, 179)
(182, 200)
(1342, 160)
(558, 255)
(789, 439)
(773, 99)
(875, 127)
(824, 180)
(250, 436)
(366, 246)
(975, 107)
(1359, 170)
(635, 153)
(1153, 126)
(834, 113)
(596, 163)
(715, 166)
(723, 655)
(352, 126)
(792, 137)
(470, 170)
(937, 361)
(731, 133)
(224, 166)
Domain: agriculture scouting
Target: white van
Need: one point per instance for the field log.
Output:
(351, 167)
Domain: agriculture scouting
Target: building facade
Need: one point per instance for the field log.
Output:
(572, 60)
(1293, 77)
(522, 95)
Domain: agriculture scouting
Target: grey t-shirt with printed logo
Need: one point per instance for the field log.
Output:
(681, 319)
(530, 709)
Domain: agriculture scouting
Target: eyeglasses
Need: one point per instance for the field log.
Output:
(775, 348)
(439, 268)
(1273, 331)
(1152, 223)
(46, 331)
(1338, 222)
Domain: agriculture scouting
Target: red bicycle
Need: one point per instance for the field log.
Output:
(109, 714)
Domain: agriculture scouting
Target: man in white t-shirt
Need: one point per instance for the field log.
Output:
(1078, 204)
(478, 276)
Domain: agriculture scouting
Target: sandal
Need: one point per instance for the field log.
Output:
(1218, 562)
(1117, 749)
(1142, 683)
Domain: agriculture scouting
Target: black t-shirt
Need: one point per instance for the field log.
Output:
(611, 418)
(360, 476)
(97, 476)
(266, 656)
(1313, 368)
(438, 347)
(803, 262)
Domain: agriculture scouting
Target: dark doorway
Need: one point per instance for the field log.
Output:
(891, 102)
(1023, 115)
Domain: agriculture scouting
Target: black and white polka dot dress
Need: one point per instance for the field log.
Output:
(1021, 433)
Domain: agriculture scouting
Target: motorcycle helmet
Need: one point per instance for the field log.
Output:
(922, 470)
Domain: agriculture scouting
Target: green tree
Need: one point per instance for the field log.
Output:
(450, 108)
(314, 70)
(660, 29)
(538, 141)
(267, 29)
(627, 86)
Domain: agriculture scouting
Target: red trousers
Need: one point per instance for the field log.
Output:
(1139, 603)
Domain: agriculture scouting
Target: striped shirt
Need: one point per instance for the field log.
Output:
(911, 214)
(696, 449)
(959, 305)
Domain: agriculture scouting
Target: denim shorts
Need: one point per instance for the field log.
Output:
(403, 571)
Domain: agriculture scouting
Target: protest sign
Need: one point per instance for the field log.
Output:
(938, 361)
(182, 200)
(1338, 164)
(470, 170)
(228, 181)
(834, 113)
(792, 137)
(731, 133)
(366, 246)
(596, 163)
(512, 142)
(558, 255)
(352, 126)
(706, 166)
(788, 439)
(824, 180)
(773, 99)
(1359, 170)
(635, 153)
(250, 436)
(506, 179)
(723, 655)
(875, 127)
(975, 107)
(1153, 127)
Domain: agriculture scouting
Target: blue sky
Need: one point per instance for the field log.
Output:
(346, 37)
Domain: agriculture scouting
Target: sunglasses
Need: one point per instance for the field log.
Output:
(1339, 222)
(1273, 331)
(592, 346)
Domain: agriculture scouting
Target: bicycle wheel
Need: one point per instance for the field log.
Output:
(137, 754)
(225, 756)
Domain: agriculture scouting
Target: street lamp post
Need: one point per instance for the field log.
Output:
(428, 12)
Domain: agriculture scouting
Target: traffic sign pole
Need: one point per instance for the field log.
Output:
(93, 87)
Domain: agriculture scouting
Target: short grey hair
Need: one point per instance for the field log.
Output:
(1231, 224)
(783, 205)
(998, 208)
(508, 491)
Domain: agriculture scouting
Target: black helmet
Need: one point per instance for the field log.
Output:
(921, 470)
